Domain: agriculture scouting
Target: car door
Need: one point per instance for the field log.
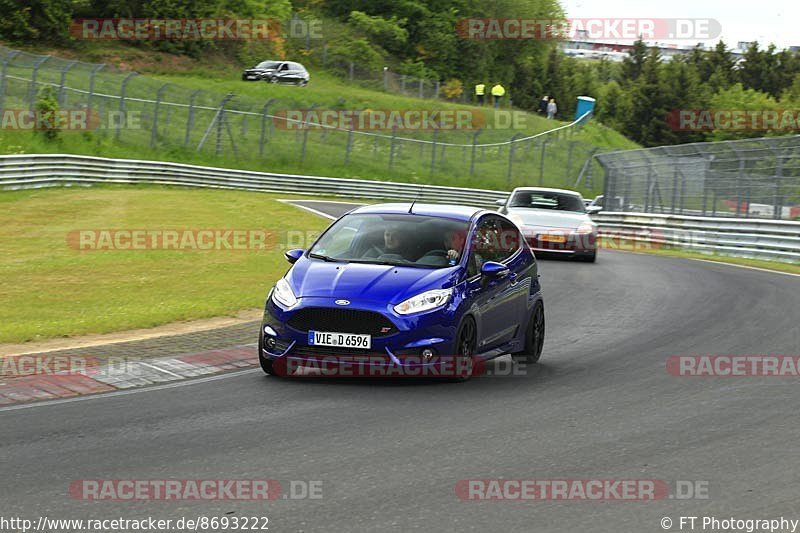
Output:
(494, 302)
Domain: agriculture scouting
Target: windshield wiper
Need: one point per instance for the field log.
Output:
(324, 257)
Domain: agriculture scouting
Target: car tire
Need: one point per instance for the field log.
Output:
(589, 258)
(273, 79)
(466, 341)
(534, 336)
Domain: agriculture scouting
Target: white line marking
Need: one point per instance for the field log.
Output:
(102, 395)
(148, 365)
(767, 270)
(315, 211)
(746, 266)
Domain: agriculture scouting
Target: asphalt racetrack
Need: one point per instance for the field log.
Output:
(390, 453)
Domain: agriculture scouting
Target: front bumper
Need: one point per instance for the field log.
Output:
(401, 349)
(562, 242)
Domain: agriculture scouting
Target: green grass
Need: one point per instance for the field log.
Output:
(52, 290)
(779, 266)
(282, 150)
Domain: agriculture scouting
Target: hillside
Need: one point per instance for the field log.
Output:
(250, 139)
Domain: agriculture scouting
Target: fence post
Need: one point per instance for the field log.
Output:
(95, 70)
(352, 70)
(123, 90)
(474, 152)
(386, 79)
(305, 136)
(62, 82)
(216, 120)
(348, 147)
(512, 147)
(777, 212)
(391, 148)
(674, 188)
(154, 130)
(433, 151)
(739, 191)
(438, 86)
(190, 119)
(6, 61)
(421, 87)
(261, 138)
(570, 149)
(541, 162)
(36, 66)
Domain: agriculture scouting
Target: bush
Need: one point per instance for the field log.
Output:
(452, 89)
(49, 123)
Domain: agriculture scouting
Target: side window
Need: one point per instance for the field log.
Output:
(509, 240)
(484, 245)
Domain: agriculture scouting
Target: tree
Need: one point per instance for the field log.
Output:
(633, 65)
(35, 20)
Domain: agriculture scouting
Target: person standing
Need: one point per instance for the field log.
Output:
(552, 109)
(480, 91)
(498, 91)
(543, 104)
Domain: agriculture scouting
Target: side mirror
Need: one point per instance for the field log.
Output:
(594, 209)
(494, 270)
(293, 255)
(501, 203)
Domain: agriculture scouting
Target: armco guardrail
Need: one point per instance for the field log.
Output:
(32, 171)
(757, 238)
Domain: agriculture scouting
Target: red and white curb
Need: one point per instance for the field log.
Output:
(124, 373)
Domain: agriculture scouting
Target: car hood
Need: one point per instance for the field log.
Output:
(547, 218)
(312, 278)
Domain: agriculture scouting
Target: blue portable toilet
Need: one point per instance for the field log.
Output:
(585, 104)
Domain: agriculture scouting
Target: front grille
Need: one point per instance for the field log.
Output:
(341, 354)
(342, 321)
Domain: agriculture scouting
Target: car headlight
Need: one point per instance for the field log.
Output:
(424, 302)
(585, 228)
(283, 293)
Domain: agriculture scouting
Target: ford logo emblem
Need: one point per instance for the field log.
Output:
(342, 302)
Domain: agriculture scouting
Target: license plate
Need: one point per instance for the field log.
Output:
(552, 238)
(339, 340)
(252, 77)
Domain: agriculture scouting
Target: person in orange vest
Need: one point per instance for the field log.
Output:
(480, 91)
(498, 91)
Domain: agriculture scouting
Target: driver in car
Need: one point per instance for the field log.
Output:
(454, 241)
(394, 243)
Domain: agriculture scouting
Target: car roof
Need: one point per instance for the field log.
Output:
(545, 189)
(458, 212)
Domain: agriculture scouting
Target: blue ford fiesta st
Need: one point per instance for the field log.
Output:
(405, 290)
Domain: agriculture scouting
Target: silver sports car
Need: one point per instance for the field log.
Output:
(553, 221)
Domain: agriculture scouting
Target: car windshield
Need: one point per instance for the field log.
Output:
(268, 64)
(393, 239)
(547, 200)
